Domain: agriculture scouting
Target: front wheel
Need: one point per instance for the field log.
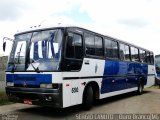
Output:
(140, 89)
(88, 98)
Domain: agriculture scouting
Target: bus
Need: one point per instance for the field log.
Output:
(157, 66)
(63, 66)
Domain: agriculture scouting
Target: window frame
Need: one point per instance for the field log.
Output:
(82, 32)
(127, 60)
(112, 40)
(65, 48)
(102, 46)
(134, 54)
(129, 48)
(145, 62)
(94, 35)
(73, 31)
(91, 34)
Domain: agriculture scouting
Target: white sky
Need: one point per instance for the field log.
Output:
(134, 21)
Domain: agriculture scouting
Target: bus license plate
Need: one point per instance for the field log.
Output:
(27, 102)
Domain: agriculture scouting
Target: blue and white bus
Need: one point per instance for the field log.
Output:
(64, 66)
(157, 65)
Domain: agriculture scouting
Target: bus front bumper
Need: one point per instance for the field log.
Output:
(36, 96)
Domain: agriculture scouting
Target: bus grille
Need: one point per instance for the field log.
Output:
(27, 86)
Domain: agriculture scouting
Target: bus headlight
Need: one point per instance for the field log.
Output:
(10, 84)
(45, 85)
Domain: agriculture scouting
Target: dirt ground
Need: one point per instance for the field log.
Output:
(120, 106)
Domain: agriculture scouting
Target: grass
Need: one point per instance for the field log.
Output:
(2, 75)
(3, 98)
(155, 87)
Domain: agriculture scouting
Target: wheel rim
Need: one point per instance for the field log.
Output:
(140, 88)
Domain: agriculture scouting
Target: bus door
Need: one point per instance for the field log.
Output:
(73, 62)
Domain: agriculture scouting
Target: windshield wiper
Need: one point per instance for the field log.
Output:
(36, 69)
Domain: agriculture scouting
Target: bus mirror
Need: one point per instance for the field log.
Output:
(4, 46)
(4, 42)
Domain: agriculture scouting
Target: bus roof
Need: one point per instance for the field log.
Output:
(39, 27)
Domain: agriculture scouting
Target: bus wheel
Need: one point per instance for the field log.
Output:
(140, 88)
(88, 98)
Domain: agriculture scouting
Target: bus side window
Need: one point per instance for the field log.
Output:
(74, 52)
(111, 48)
(127, 53)
(78, 46)
(94, 45)
(142, 56)
(122, 51)
(70, 46)
(98, 46)
(90, 44)
(134, 54)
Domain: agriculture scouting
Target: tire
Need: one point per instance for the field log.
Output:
(140, 88)
(88, 98)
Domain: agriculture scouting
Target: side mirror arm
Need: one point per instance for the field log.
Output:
(4, 42)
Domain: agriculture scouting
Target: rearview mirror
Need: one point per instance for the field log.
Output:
(4, 42)
(4, 46)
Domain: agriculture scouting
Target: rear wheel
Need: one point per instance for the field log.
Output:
(140, 88)
(88, 98)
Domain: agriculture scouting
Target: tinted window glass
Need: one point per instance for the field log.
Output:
(142, 54)
(127, 53)
(89, 42)
(78, 46)
(111, 48)
(70, 46)
(124, 52)
(134, 54)
(108, 47)
(74, 52)
(74, 46)
(98, 46)
(115, 49)
(94, 45)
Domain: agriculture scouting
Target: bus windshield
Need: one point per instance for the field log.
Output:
(40, 50)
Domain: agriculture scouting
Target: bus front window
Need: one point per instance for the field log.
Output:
(45, 50)
(18, 53)
(40, 51)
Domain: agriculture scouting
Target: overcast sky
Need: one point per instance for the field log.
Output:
(134, 21)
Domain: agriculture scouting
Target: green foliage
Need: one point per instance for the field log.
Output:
(3, 98)
(3, 63)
